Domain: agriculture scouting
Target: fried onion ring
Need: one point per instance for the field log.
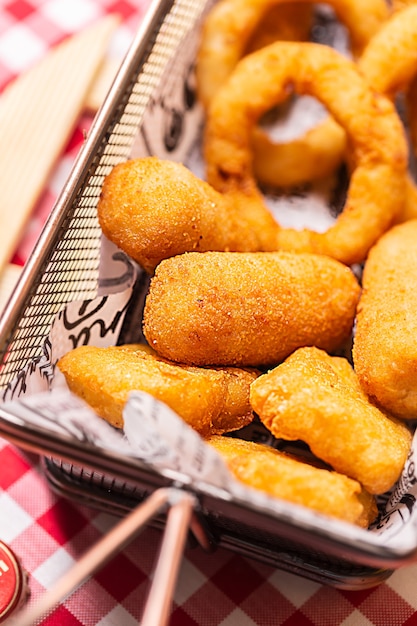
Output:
(389, 63)
(308, 398)
(248, 309)
(410, 210)
(224, 40)
(374, 131)
(229, 25)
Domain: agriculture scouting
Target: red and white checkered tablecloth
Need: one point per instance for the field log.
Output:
(49, 533)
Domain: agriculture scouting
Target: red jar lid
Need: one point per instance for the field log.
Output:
(13, 582)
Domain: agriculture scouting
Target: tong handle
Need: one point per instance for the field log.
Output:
(180, 505)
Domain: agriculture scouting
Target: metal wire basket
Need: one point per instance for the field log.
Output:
(65, 267)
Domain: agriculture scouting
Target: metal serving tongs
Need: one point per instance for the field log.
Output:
(179, 505)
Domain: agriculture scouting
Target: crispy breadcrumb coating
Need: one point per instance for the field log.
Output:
(248, 309)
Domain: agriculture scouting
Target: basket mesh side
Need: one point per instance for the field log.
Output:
(66, 258)
(228, 531)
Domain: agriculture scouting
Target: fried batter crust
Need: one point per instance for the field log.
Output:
(248, 309)
(230, 23)
(283, 476)
(385, 345)
(212, 401)
(311, 398)
(376, 141)
(225, 31)
(153, 209)
(283, 22)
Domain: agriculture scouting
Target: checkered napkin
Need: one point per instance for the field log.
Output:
(49, 533)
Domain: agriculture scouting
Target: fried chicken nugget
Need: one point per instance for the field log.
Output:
(385, 345)
(248, 309)
(283, 476)
(312, 397)
(153, 209)
(212, 401)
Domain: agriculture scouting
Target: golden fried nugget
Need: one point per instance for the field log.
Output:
(248, 309)
(225, 32)
(309, 398)
(209, 400)
(389, 59)
(153, 209)
(385, 345)
(230, 24)
(283, 476)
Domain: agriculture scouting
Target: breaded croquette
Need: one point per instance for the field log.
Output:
(248, 309)
(311, 398)
(209, 400)
(283, 476)
(153, 209)
(385, 344)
